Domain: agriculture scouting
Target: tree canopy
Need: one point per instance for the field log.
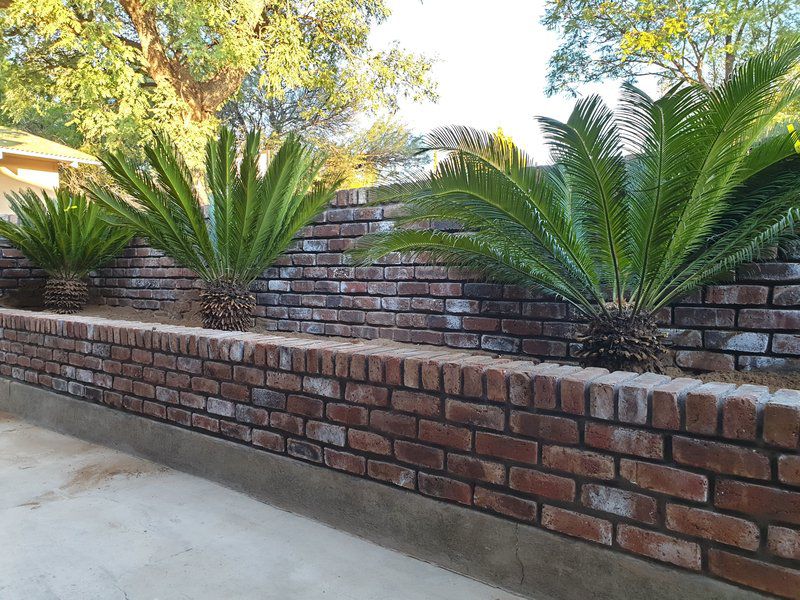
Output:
(694, 41)
(110, 71)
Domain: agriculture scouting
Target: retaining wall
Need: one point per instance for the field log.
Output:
(752, 323)
(701, 477)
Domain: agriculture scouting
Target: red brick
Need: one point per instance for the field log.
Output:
(702, 407)
(392, 473)
(442, 487)
(545, 427)
(303, 405)
(370, 395)
(759, 318)
(758, 500)
(620, 502)
(236, 431)
(668, 400)
(542, 484)
(624, 441)
(709, 525)
(367, 441)
(322, 386)
(496, 385)
(252, 415)
(755, 574)
(184, 417)
(665, 480)
(347, 414)
(286, 382)
(702, 360)
(470, 467)
(501, 446)
(784, 542)
(602, 392)
(203, 385)
(393, 423)
(789, 469)
(782, 419)
(343, 461)
(504, 504)
(205, 422)
(155, 410)
(477, 415)
(418, 403)
(740, 411)
(327, 433)
(578, 462)
(633, 395)
(304, 450)
(577, 525)
(736, 294)
(234, 391)
(418, 454)
(721, 458)
(217, 370)
(268, 439)
(546, 386)
(445, 435)
(659, 546)
(287, 422)
(520, 390)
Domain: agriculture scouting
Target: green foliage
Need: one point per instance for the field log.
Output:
(111, 71)
(700, 191)
(253, 215)
(65, 235)
(694, 41)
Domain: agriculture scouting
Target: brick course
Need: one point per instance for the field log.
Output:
(640, 478)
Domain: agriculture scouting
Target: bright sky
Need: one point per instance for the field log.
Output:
(492, 61)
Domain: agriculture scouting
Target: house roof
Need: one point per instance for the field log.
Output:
(21, 143)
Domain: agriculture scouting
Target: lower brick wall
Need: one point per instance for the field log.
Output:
(703, 477)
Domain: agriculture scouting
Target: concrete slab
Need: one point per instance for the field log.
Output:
(84, 522)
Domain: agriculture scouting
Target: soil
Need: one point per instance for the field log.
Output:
(773, 380)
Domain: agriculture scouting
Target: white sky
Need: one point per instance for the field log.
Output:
(492, 60)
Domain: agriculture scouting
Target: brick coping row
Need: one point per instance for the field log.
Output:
(700, 476)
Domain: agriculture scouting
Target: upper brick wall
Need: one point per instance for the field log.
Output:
(702, 477)
(750, 324)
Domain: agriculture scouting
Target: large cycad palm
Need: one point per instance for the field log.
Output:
(254, 213)
(638, 208)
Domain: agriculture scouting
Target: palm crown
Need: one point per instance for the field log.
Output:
(639, 207)
(253, 214)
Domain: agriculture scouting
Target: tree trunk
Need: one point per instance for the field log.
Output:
(227, 306)
(65, 295)
(623, 342)
(730, 58)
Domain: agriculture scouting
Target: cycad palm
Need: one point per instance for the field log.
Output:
(253, 214)
(639, 208)
(66, 236)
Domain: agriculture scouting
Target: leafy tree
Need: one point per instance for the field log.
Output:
(693, 41)
(254, 213)
(66, 236)
(120, 68)
(616, 236)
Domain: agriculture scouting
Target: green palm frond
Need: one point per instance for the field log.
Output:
(252, 215)
(65, 235)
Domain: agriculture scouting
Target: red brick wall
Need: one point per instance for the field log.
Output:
(752, 324)
(702, 477)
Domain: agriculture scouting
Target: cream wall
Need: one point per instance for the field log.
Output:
(18, 173)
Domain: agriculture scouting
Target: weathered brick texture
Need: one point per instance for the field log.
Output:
(670, 471)
(752, 323)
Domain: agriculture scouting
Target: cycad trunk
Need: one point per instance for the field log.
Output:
(65, 295)
(622, 341)
(227, 306)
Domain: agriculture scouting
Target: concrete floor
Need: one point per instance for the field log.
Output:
(82, 522)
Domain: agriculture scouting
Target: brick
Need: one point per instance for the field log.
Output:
(577, 525)
(370, 395)
(304, 450)
(546, 386)
(342, 461)
(624, 440)
(578, 462)
(704, 317)
(740, 411)
(305, 406)
(542, 484)
(418, 403)
(217, 370)
(418, 454)
(602, 392)
(392, 473)
(505, 504)
(783, 343)
(709, 525)
(269, 399)
(252, 415)
(476, 415)
(470, 467)
(520, 390)
(772, 319)
(322, 386)
(285, 382)
(443, 487)
(326, 433)
(789, 470)
(623, 503)
(632, 399)
(223, 408)
(736, 294)
(701, 360)
(445, 435)
(204, 422)
(545, 427)
(784, 542)
(738, 341)
(782, 419)
(758, 500)
(574, 389)
(347, 414)
(668, 401)
(772, 579)
(659, 546)
(721, 458)
(786, 295)
(368, 441)
(233, 391)
(286, 422)
(702, 407)
(393, 423)
(509, 448)
(665, 480)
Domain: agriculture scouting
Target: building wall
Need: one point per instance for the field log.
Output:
(700, 477)
(18, 173)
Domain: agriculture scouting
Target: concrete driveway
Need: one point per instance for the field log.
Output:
(82, 522)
